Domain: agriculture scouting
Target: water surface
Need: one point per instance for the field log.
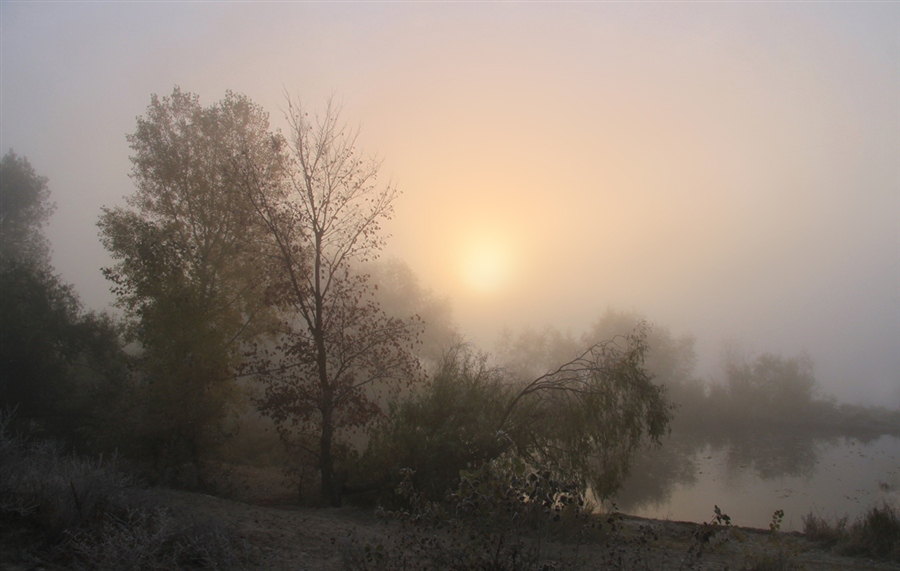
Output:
(752, 477)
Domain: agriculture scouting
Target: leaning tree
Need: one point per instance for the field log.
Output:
(588, 417)
(582, 421)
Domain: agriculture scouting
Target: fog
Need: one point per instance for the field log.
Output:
(729, 170)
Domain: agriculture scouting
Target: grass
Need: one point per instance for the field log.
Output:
(875, 533)
(83, 513)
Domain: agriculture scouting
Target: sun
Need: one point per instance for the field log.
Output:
(486, 266)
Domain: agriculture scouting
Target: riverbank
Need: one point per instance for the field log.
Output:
(300, 538)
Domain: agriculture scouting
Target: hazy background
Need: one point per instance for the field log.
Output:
(728, 170)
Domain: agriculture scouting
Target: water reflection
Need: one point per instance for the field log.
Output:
(770, 456)
(657, 471)
(755, 474)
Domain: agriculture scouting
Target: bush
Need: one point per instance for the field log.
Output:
(498, 518)
(585, 420)
(873, 534)
(153, 539)
(59, 491)
(89, 513)
(821, 531)
(450, 424)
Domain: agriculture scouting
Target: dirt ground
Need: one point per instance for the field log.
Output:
(298, 538)
(280, 535)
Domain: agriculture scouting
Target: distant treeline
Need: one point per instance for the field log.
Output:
(765, 392)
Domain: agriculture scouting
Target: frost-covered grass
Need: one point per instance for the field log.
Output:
(89, 514)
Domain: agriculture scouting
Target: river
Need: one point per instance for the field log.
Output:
(750, 478)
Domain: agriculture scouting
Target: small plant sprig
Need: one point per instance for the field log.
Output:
(716, 531)
(780, 552)
(775, 524)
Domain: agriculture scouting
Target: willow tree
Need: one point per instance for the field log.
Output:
(188, 261)
(582, 421)
(336, 349)
(589, 417)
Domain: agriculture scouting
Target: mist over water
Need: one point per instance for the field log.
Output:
(749, 478)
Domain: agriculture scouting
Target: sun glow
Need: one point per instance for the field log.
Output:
(486, 266)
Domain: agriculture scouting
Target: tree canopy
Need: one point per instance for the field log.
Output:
(55, 359)
(335, 347)
(243, 252)
(25, 208)
(189, 260)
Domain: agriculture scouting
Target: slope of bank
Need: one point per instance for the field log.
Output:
(296, 538)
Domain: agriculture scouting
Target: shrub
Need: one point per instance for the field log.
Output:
(450, 424)
(821, 531)
(875, 533)
(585, 419)
(58, 491)
(498, 518)
(152, 539)
(89, 513)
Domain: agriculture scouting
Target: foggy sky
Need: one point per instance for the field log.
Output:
(730, 170)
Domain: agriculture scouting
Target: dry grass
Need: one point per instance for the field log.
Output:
(88, 514)
(873, 534)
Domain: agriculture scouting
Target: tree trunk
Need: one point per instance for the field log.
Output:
(330, 492)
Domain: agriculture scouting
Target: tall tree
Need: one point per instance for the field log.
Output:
(336, 347)
(36, 309)
(54, 358)
(25, 208)
(189, 261)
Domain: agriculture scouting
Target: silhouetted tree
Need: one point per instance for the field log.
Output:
(335, 347)
(38, 314)
(189, 271)
(25, 208)
(771, 387)
(56, 362)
